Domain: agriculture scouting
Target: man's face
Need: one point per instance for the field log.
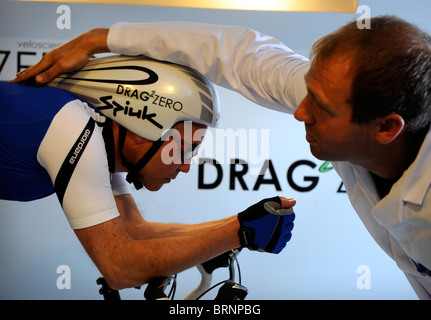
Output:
(326, 112)
(173, 157)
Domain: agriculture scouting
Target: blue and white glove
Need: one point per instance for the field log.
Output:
(266, 226)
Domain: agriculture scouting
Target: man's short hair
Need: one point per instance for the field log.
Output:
(391, 67)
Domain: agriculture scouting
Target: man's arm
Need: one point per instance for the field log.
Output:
(258, 66)
(66, 58)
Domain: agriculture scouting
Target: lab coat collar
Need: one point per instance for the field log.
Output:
(417, 178)
(411, 188)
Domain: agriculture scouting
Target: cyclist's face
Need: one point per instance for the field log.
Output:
(173, 157)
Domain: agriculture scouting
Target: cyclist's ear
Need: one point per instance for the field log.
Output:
(137, 139)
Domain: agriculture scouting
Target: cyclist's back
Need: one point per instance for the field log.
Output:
(41, 129)
(26, 113)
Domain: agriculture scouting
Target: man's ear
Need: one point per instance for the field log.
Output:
(390, 127)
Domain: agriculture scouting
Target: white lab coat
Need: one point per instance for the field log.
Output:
(268, 73)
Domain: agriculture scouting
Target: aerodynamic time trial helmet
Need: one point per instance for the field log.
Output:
(145, 96)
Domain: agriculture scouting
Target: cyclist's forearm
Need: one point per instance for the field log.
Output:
(154, 230)
(126, 262)
(140, 229)
(176, 254)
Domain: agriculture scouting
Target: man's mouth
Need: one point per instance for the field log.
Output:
(310, 138)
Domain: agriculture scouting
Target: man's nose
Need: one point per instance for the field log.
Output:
(302, 114)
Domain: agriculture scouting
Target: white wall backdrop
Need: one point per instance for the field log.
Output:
(330, 247)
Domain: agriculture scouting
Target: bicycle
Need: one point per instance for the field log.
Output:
(155, 290)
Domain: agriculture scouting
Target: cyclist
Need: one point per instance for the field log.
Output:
(77, 143)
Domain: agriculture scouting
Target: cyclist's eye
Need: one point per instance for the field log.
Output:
(190, 151)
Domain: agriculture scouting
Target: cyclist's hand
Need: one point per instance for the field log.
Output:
(267, 225)
(66, 58)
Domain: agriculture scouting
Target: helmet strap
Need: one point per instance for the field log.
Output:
(133, 175)
(108, 137)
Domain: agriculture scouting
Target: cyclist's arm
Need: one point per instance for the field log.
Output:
(126, 262)
(73, 153)
(141, 229)
(91, 210)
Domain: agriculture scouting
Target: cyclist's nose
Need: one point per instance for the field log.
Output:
(184, 167)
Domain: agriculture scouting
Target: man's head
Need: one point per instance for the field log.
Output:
(367, 86)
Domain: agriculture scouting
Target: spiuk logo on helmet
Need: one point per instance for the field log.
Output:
(128, 110)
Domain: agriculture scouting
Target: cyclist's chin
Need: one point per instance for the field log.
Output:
(157, 185)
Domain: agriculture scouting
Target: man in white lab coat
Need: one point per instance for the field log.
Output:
(365, 103)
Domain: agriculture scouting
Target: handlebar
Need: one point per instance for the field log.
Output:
(108, 293)
(155, 289)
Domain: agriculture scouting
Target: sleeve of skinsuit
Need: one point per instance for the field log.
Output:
(84, 193)
(258, 66)
(119, 185)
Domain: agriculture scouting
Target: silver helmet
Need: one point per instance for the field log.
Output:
(145, 96)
